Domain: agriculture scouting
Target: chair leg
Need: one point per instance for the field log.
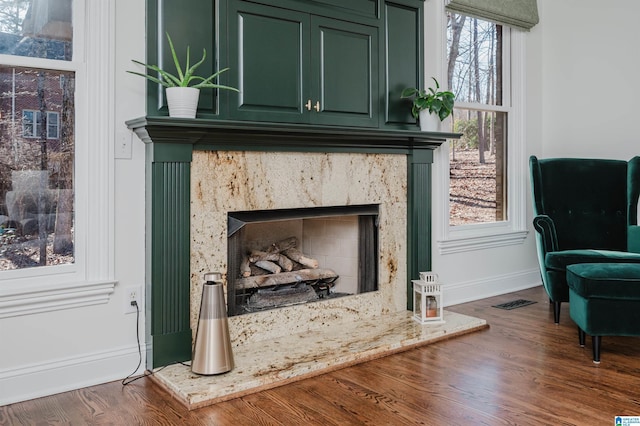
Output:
(581, 337)
(596, 342)
(556, 312)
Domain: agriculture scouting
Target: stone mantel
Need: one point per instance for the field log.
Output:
(170, 145)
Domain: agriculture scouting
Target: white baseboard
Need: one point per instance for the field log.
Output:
(469, 291)
(51, 377)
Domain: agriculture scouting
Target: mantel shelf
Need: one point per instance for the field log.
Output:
(252, 136)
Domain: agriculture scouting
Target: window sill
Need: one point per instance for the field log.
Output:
(481, 242)
(35, 299)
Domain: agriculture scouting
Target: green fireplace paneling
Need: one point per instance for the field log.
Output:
(170, 264)
(419, 217)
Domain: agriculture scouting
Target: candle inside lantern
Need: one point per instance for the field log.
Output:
(432, 307)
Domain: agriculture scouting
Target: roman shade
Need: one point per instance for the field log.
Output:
(521, 14)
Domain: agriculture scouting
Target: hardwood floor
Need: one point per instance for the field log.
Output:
(523, 370)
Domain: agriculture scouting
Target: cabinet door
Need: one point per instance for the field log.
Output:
(270, 61)
(344, 65)
(403, 23)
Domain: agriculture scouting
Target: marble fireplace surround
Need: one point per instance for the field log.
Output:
(198, 170)
(224, 181)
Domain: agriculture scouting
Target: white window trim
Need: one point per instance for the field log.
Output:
(513, 231)
(90, 280)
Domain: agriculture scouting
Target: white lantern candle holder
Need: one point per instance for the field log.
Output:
(427, 299)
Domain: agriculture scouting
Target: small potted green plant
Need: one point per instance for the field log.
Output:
(430, 106)
(183, 88)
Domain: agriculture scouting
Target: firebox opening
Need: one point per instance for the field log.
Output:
(284, 257)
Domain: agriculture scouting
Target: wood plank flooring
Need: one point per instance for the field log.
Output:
(523, 370)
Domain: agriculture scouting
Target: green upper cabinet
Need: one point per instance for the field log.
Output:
(322, 62)
(297, 67)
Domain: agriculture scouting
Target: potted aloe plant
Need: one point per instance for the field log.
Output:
(182, 89)
(430, 106)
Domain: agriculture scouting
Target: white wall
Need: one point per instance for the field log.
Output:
(590, 78)
(46, 353)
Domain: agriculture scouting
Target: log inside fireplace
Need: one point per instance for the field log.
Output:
(289, 256)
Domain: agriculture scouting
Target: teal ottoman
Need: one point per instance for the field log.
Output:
(604, 300)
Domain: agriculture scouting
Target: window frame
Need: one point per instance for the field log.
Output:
(512, 231)
(90, 279)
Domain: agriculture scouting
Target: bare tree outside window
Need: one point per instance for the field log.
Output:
(12, 13)
(37, 137)
(475, 68)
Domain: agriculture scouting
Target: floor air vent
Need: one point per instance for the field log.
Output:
(514, 304)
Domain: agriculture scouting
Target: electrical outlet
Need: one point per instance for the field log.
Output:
(132, 294)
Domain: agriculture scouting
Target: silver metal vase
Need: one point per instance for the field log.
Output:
(212, 352)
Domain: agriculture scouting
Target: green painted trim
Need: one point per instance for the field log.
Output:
(258, 136)
(419, 217)
(170, 280)
(153, 91)
(171, 153)
(170, 348)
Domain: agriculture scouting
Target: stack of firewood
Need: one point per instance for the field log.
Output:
(280, 263)
(278, 257)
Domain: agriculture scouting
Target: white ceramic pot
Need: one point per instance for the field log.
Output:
(182, 101)
(429, 122)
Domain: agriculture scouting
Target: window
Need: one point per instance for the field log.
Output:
(55, 190)
(477, 68)
(36, 184)
(32, 124)
(483, 175)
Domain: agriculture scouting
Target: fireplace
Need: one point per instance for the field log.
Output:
(286, 257)
(200, 170)
(234, 191)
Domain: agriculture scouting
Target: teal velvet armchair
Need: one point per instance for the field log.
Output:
(585, 211)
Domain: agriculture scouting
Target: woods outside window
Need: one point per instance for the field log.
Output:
(478, 73)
